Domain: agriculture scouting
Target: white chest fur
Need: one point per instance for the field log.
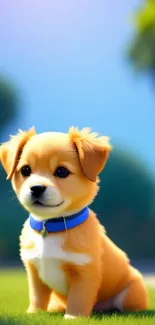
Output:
(47, 255)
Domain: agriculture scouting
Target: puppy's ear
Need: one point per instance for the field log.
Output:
(93, 151)
(10, 151)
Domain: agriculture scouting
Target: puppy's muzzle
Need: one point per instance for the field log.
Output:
(37, 191)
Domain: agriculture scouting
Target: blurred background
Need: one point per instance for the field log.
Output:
(85, 63)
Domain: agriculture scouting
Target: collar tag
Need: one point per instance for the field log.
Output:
(44, 231)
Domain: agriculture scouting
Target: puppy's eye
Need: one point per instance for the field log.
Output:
(26, 171)
(61, 172)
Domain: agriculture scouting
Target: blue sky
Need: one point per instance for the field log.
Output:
(67, 58)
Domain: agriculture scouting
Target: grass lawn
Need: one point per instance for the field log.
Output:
(14, 302)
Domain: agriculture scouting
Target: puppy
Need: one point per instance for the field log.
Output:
(71, 264)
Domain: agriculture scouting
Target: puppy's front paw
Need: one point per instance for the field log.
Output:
(67, 316)
(32, 310)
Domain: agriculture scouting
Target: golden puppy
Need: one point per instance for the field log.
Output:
(71, 264)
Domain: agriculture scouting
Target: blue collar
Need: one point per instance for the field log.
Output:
(59, 224)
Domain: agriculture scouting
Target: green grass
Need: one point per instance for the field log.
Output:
(14, 302)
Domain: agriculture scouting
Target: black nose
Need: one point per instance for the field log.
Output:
(37, 190)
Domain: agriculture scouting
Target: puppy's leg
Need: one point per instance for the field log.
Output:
(133, 298)
(136, 298)
(82, 296)
(39, 293)
(56, 304)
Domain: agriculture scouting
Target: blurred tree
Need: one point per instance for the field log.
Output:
(8, 112)
(141, 51)
(8, 103)
(12, 217)
(126, 205)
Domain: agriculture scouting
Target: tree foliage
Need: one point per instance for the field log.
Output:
(8, 112)
(126, 205)
(8, 102)
(141, 51)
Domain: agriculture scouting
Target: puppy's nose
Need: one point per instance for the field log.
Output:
(37, 190)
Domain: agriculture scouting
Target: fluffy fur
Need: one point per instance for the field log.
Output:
(80, 269)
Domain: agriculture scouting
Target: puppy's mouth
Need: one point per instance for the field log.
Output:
(37, 203)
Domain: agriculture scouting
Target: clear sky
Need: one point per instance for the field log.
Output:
(67, 58)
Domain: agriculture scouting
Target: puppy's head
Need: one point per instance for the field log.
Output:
(55, 174)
